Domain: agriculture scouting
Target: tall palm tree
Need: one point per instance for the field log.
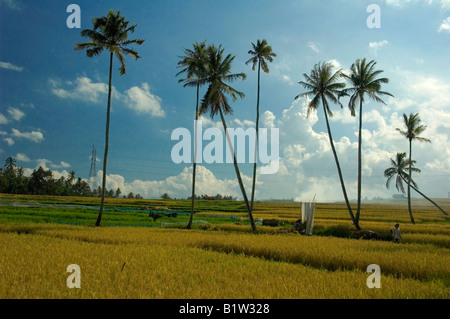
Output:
(364, 82)
(193, 63)
(398, 169)
(413, 130)
(260, 53)
(111, 33)
(322, 85)
(216, 101)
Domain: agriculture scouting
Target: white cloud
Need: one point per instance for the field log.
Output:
(142, 101)
(428, 91)
(13, 4)
(3, 119)
(22, 157)
(243, 124)
(64, 164)
(10, 66)
(445, 25)
(9, 140)
(375, 46)
(314, 46)
(82, 89)
(267, 119)
(444, 4)
(178, 185)
(15, 113)
(34, 136)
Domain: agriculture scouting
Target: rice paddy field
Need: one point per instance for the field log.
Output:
(134, 256)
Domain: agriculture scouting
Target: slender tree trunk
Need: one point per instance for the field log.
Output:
(355, 222)
(409, 183)
(424, 196)
(358, 210)
(256, 140)
(238, 174)
(105, 157)
(195, 161)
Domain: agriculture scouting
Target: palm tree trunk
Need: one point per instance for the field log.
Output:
(355, 222)
(424, 196)
(238, 174)
(256, 139)
(195, 161)
(409, 183)
(358, 210)
(105, 157)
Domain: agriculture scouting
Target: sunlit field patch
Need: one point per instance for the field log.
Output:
(217, 259)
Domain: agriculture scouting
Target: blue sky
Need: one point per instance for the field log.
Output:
(53, 98)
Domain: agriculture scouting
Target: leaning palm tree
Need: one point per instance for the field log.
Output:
(398, 169)
(260, 53)
(193, 63)
(111, 33)
(216, 101)
(364, 83)
(322, 85)
(413, 130)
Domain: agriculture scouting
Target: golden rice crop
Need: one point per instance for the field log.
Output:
(154, 263)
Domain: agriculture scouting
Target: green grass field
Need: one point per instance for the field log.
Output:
(219, 257)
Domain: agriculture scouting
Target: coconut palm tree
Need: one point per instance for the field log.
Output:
(260, 53)
(413, 130)
(364, 82)
(193, 63)
(111, 33)
(322, 85)
(398, 169)
(216, 101)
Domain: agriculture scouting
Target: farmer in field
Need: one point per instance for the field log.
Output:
(396, 233)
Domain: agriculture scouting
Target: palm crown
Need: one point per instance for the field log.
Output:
(322, 85)
(110, 32)
(193, 63)
(260, 53)
(398, 169)
(218, 72)
(413, 128)
(363, 78)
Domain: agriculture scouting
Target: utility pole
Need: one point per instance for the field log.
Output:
(93, 171)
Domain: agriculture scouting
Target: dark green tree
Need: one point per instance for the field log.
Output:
(10, 172)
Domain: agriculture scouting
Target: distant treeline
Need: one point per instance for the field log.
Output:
(42, 182)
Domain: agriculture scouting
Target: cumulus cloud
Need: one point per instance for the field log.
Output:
(10, 66)
(82, 89)
(22, 158)
(141, 100)
(445, 25)
(178, 185)
(34, 136)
